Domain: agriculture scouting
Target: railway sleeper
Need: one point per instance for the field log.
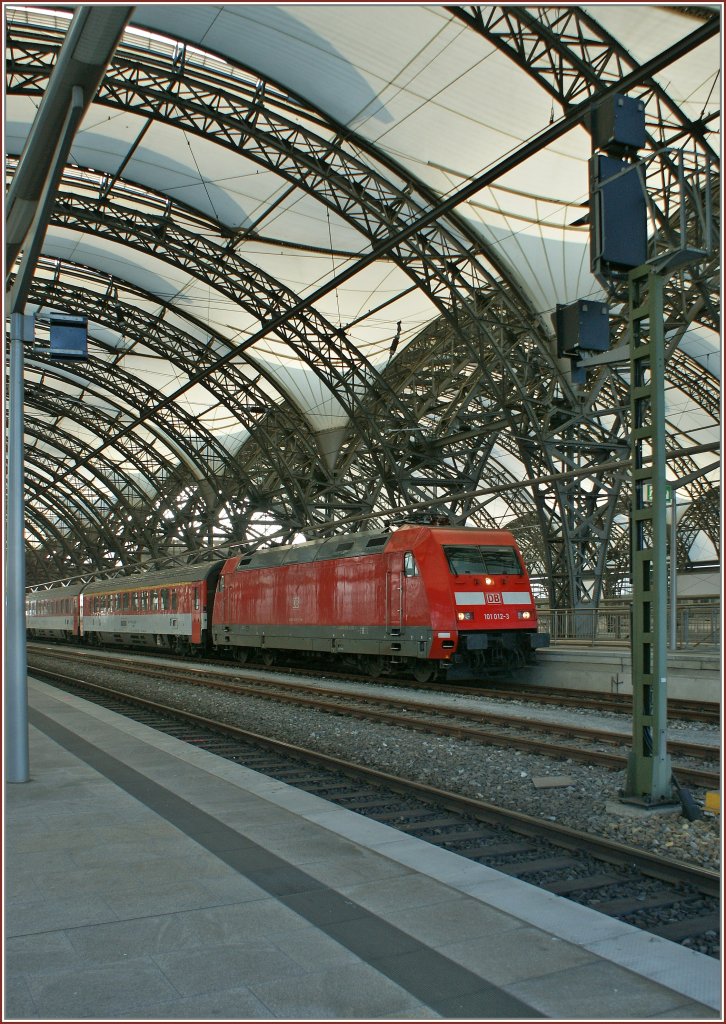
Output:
(690, 927)
(569, 885)
(530, 867)
(633, 905)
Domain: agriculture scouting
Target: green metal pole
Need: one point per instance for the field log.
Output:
(648, 779)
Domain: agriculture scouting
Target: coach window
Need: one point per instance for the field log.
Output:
(410, 567)
(196, 599)
(165, 599)
(173, 599)
(134, 599)
(155, 600)
(143, 601)
(125, 600)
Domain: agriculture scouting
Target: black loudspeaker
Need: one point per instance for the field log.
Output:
(618, 125)
(583, 326)
(69, 338)
(618, 232)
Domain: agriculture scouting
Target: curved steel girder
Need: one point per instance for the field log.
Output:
(48, 557)
(702, 516)
(233, 115)
(81, 519)
(426, 363)
(157, 521)
(217, 114)
(89, 504)
(345, 207)
(113, 476)
(458, 423)
(179, 431)
(169, 229)
(153, 511)
(284, 433)
(571, 56)
(223, 270)
(154, 468)
(78, 509)
(445, 287)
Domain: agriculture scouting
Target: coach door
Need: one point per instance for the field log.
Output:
(196, 615)
(394, 602)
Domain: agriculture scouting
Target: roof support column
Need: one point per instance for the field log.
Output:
(22, 331)
(16, 671)
(648, 779)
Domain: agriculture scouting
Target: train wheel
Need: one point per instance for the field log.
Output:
(373, 666)
(423, 671)
(241, 654)
(268, 658)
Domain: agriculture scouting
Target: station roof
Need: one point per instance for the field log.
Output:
(304, 316)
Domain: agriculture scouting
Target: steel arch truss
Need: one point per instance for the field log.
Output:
(479, 381)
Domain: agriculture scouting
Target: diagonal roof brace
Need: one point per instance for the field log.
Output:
(88, 47)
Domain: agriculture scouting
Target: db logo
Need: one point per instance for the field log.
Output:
(494, 598)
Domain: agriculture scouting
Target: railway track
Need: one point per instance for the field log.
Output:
(668, 898)
(575, 742)
(617, 703)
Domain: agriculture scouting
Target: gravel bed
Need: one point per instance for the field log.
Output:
(497, 775)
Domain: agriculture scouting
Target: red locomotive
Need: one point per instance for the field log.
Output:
(424, 598)
(433, 601)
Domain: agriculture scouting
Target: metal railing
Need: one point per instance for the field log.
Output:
(698, 625)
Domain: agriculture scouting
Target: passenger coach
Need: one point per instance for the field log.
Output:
(54, 614)
(170, 609)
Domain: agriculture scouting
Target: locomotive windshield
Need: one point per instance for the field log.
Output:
(478, 559)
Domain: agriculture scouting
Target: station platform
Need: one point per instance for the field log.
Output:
(147, 879)
(692, 674)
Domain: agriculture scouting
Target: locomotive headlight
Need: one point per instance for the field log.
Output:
(488, 580)
(524, 615)
(465, 616)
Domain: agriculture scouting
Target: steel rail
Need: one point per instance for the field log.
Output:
(705, 880)
(349, 705)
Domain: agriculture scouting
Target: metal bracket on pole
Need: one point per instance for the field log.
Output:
(648, 781)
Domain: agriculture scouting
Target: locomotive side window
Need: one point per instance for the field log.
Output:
(479, 559)
(410, 568)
